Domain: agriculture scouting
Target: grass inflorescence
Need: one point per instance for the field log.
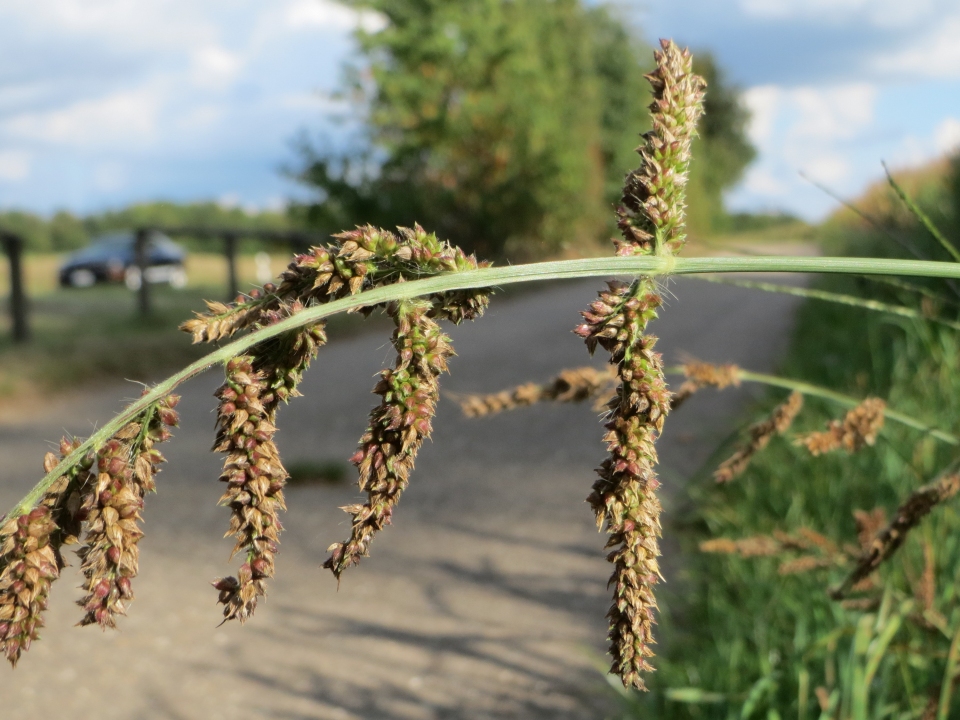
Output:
(799, 518)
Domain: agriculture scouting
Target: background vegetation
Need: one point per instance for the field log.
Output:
(64, 231)
(506, 125)
(744, 640)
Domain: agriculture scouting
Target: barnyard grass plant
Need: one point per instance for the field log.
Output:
(93, 493)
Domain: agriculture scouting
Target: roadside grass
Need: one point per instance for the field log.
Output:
(80, 336)
(741, 638)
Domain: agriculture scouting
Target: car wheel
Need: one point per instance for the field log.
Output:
(132, 277)
(81, 278)
(178, 278)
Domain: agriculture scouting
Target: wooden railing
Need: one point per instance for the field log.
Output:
(13, 247)
(298, 240)
(228, 237)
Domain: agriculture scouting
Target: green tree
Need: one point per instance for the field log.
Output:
(32, 228)
(505, 125)
(721, 153)
(67, 232)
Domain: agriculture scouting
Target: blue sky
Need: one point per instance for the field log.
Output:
(105, 102)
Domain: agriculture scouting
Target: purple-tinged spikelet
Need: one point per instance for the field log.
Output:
(398, 426)
(111, 507)
(31, 558)
(360, 259)
(651, 220)
(255, 478)
(31, 563)
(651, 212)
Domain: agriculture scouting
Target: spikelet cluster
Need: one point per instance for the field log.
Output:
(572, 385)
(651, 212)
(31, 563)
(255, 478)
(778, 423)
(31, 558)
(651, 221)
(397, 428)
(888, 540)
(623, 496)
(858, 428)
(358, 260)
(869, 524)
(818, 550)
(700, 375)
(126, 466)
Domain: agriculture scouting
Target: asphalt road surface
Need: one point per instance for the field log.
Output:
(485, 599)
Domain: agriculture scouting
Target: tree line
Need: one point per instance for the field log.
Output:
(507, 125)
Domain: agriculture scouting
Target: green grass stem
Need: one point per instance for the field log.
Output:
(841, 298)
(492, 277)
(922, 216)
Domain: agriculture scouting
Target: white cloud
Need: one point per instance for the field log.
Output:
(829, 169)
(229, 200)
(214, 67)
(329, 15)
(106, 121)
(947, 135)
(117, 24)
(763, 102)
(832, 113)
(762, 181)
(935, 53)
(14, 165)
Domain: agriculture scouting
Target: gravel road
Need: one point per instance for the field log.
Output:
(486, 599)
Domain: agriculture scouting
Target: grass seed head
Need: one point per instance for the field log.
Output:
(255, 478)
(651, 212)
(126, 466)
(858, 428)
(397, 428)
(778, 423)
(571, 385)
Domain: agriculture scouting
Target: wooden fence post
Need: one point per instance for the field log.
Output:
(230, 253)
(13, 245)
(141, 260)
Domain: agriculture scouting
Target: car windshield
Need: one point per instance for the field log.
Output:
(109, 246)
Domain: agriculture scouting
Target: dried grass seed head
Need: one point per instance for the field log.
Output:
(571, 385)
(778, 423)
(859, 427)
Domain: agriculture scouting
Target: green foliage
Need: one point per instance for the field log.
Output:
(953, 193)
(64, 231)
(33, 229)
(722, 153)
(199, 215)
(505, 125)
(67, 232)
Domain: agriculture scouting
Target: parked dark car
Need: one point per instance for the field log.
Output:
(112, 258)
